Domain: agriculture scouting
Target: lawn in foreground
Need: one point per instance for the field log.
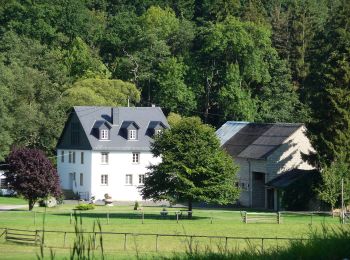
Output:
(212, 222)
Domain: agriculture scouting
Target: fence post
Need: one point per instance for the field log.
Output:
(124, 241)
(226, 244)
(279, 217)
(177, 217)
(107, 217)
(64, 239)
(143, 217)
(157, 243)
(245, 217)
(262, 244)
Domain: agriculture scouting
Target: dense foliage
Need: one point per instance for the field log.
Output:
(267, 61)
(32, 175)
(193, 167)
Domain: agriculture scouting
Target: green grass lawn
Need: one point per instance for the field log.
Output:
(211, 222)
(12, 201)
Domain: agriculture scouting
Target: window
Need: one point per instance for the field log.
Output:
(70, 156)
(73, 157)
(141, 179)
(104, 158)
(136, 157)
(128, 179)
(158, 131)
(104, 135)
(3, 183)
(132, 135)
(81, 179)
(104, 179)
(82, 157)
(62, 156)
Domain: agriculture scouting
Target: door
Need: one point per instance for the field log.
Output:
(258, 190)
(270, 199)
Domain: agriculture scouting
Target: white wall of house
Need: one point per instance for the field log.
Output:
(67, 169)
(120, 164)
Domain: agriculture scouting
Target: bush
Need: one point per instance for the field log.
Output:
(85, 207)
(136, 206)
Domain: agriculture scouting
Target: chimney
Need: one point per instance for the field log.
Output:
(115, 116)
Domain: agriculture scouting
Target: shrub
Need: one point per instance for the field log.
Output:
(136, 206)
(85, 207)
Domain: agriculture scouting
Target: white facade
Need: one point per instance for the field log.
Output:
(118, 173)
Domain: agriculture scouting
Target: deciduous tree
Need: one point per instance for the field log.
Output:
(193, 167)
(31, 174)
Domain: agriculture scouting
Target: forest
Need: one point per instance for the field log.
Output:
(248, 60)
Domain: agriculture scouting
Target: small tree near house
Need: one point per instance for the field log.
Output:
(193, 167)
(32, 175)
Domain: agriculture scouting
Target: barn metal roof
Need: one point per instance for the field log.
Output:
(254, 140)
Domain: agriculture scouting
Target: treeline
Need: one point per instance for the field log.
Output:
(263, 61)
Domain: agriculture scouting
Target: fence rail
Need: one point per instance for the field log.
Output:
(189, 238)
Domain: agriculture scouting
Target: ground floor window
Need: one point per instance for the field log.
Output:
(81, 179)
(104, 179)
(141, 179)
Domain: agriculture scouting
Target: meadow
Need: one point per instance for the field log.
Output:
(123, 219)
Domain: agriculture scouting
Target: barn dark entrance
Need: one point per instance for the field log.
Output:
(258, 190)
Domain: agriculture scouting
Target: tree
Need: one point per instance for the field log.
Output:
(31, 174)
(193, 167)
(102, 92)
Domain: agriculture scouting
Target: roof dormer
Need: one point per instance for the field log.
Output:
(131, 130)
(155, 127)
(101, 130)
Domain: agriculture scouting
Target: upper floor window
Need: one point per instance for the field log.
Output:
(104, 134)
(136, 157)
(62, 156)
(132, 134)
(158, 131)
(82, 157)
(70, 156)
(104, 158)
(73, 157)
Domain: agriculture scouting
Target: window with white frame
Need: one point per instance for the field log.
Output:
(104, 179)
(81, 181)
(104, 158)
(135, 157)
(73, 153)
(141, 179)
(82, 157)
(132, 134)
(104, 134)
(62, 156)
(128, 179)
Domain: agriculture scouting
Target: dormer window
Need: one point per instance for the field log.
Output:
(132, 134)
(104, 135)
(158, 131)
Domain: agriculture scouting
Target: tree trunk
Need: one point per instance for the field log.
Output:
(189, 209)
(31, 203)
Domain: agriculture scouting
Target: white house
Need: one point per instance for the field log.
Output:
(263, 153)
(107, 150)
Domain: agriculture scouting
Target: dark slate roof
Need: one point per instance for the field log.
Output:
(254, 140)
(287, 178)
(91, 117)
